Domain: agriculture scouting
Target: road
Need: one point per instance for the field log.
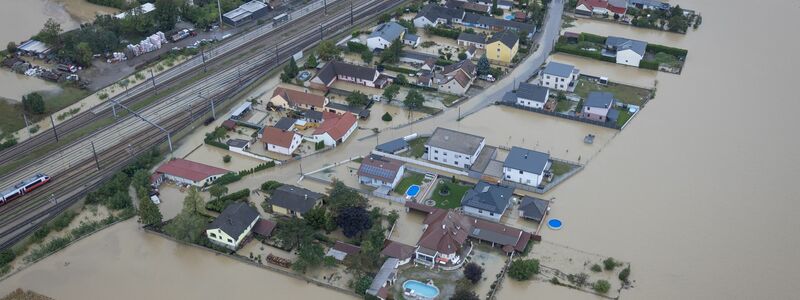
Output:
(116, 145)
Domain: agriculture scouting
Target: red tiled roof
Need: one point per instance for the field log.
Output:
(335, 125)
(446, 233)
(297, 97)
(277, 136)
(190, 170)
(591, 4)
(264, 227)
(347, 248)
(229, 124)
(397, 250)
(616, 9)
(420, 207)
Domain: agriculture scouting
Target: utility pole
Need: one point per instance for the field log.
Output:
(239, 74)
(213, 111)
(203, 55)
(54, 127)
(276, 55)
(153, 79)
(25, 116)
(96, 162)
(114, 109)
(351, 13)
(169, 136)
(325, 4)
(219, 8)
(321, 37)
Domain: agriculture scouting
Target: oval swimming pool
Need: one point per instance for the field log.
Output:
(412, 190)
(416, 288)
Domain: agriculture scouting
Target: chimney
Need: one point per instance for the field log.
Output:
(305, 196)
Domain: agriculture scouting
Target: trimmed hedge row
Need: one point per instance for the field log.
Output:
(356, 47)
(399, 69)
(259, 167)
(678, 52)
(218, 205)
(228, 179)
(214, 143)
(590, 54)
(650, 65)
(443, 32)
(588, 37)
(270, 185)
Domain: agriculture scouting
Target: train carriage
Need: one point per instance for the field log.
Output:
(22, 188)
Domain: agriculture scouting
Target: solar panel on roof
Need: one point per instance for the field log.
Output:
(378, 172)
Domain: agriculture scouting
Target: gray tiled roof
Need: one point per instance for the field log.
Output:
(621, 43)
(433, 12)
(285, 123)
(533, 208)
(488, 197)
(235, 219)
(508, 38)
(465, 65)
(333, 68)
(237, 143)
(452, 140)
(472, 37)
(389, 31)
(392, 146)
(599, 99)
(510, 97)
(410, 37)
(295, 198)
(532, 92)
(526, 160)
(559, 69)
(383, 275)
(313, 115)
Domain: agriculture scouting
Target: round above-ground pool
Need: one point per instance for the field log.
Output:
(416, 290)
(554, 224)
(412, 190)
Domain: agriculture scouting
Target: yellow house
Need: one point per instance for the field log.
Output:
(293, 201)
(502, 47)
(231, 227)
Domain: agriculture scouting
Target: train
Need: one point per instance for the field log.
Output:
(24, 187)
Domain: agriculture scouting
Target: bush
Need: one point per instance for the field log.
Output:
(473, 272)
(226, 159)
(588, 37)
(228, 179)
(601, 286)
(523, 269)
(63, 220)
(560, 47)
(624, 274)
(219, 204)
(443, 32)
(609, 264)
(319, 145)
(356, 47)
(678, 52)
(7, 256)
(649, 65)
(270, 185)
(387, 117)
(596, 268)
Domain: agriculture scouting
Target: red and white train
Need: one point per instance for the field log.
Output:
(24, 187)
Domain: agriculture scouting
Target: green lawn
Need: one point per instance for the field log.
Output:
(559, 168)
(449, 99)
(11, 112)
(624, 115)
(409, 179)
(453, 199)
(563, 105)
(625, 93)
(417, 147)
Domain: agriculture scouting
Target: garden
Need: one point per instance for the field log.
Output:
(448, 193)
(657, 57)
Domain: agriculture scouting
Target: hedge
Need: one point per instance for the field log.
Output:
(443, 32)
(228, 179)
(248, 125)
(588, 37)
(399, 69)
(218, 205)
(214, 143)
(650, 65)
(270, 185)
(444, 62)
(259, 167)
(678, 52)
(590, 54)
(356, 47)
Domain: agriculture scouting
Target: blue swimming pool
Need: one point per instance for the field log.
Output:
(554, 224)
(416, 288)
(412, 190)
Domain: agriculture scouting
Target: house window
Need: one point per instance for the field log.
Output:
(491, 214)
(435, 151)
(213, 235)
(480, 211)
(230, 241)
(508, 176)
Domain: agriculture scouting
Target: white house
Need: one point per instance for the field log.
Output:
(335, 129)
(231, 227)
(627, 51)
(432, 15)
(281, 141)
(188, 172)
(533, 96)
(379, 171)
(526, 166)
(559, 76)
(487, 201)
(453, 148)
(383, 35)
(411, 40)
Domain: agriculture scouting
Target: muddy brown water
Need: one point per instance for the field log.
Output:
(697, 193)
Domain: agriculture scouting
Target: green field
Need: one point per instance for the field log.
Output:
(453, 199)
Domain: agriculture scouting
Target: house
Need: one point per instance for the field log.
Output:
(533, 208)
(433, 15)
(560, 76)
(231, 227)
(289, 98)
(414, 57)
(238, 144)
(453, 148)
(469, 6)
(428, 65)
(336, 70)
(648, 4)
(285, 123)
(494, 24)
(379, 171)
(341, 250)
(425, 79)
(526, 166)
(447, 235)
(598, 106)
(293, 201)
(471, 51)
(627, 51)
(385, 278)
(502, 47)
(384, 35)
(228, 124)
(245, 13)
(618, 7)
(411, 40)
(188, 172)
(402, 252)
(501, 4)
(457, 78)
(487, 201)
(590, 7)
(280, 141)
(471, 39)
(312, 116)
(335, 129)
(341, 108)
(530, 95)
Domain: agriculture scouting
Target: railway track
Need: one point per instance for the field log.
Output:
(23, 216)
(213, 58)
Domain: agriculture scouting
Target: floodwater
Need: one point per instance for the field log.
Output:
(697, 193)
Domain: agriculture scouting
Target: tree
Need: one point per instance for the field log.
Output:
(11, 47)
(33, 103)
(50, 33)
(391, 54)
(523, 269)
(188, 225)
(193, 203)
(367, 56)
(463, 294)
(311, 62)
(219, 133)
(391, 91)
(609, 264)
(357, 99)
(473, 272)
(353, 221)
(361, 285)
(293, 232)
(149, 213)
(384, 18)
(392, 217)
(601, 286)
(291, 68)
(596, 268)
(327, 50)
(166, 14)
(414, 100)
(316, 217)
(462, 55)
(401, 79)
(285, 78)
(624, 274)
(83, 54)
(483, 67)
(387, 117)
(309, 255)
(217, 190)
(678, 23)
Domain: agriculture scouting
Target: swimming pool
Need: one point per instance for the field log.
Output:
(554, 224)
(416, 288)
(412, 190)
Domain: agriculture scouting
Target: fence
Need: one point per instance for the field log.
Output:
(555, 114)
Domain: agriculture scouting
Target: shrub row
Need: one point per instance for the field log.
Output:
(214, 143)
(588, 37)
(218, 205)
(590, 54)
(650, 65)
(399, 69)
(270, 185)
(443, 32)
(228, 179)
(678, 52)
(356, 47)
(259, 167)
